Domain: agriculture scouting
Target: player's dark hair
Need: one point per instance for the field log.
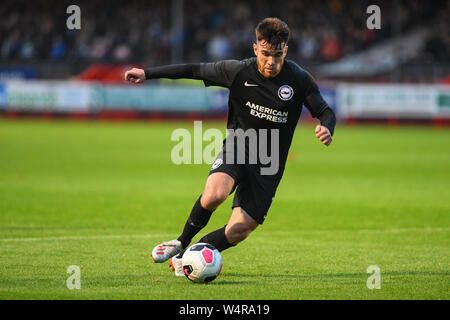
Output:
(273, 30)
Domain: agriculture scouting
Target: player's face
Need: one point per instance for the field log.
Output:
(270, 59)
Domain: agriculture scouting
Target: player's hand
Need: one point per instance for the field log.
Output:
(135, 75)
(324, 135)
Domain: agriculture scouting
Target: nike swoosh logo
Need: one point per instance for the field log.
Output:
(250, 84)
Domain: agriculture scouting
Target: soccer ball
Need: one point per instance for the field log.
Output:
(202, 263)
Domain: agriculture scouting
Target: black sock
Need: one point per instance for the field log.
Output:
(197, 220)
(217, 239)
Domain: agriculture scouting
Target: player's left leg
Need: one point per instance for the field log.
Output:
(238, 228)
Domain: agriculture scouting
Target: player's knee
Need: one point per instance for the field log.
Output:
(211, 200)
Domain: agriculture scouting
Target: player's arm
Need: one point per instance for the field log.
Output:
(319, 109)
(174, 71)
(219, 73)
(324, 131)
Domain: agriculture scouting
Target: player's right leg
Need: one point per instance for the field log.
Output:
(217, 189)
(218, 186)
(166, 250)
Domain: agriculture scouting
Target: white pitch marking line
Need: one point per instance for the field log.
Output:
(381, 231)
(97, 237)
(437, 229)
(166, 236)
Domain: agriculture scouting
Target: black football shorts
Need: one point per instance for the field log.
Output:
(254, 192)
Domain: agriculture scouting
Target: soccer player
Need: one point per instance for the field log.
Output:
(266, 92)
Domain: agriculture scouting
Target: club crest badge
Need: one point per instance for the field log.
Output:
(285, 92)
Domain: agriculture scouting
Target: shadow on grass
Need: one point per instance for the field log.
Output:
(338, 275)
(232, 283)
(145, 280)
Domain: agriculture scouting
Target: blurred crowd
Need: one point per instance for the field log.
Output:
(141, 31)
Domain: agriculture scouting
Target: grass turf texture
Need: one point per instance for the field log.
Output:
(101, 195)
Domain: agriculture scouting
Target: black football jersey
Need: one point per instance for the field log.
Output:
(256, 102)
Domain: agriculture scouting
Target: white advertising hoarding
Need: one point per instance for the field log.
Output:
(351, 100)
(392, 100)
(35, 95)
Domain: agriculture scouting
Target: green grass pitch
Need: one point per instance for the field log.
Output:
(101, 195)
